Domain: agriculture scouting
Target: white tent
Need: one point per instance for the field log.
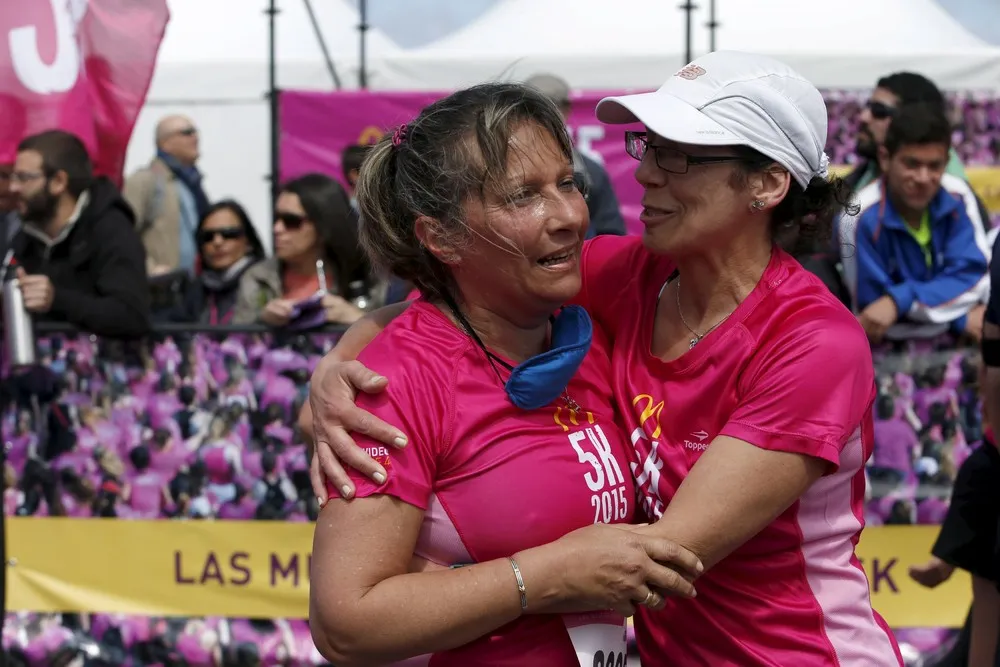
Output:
(213, 66)
(599, 44)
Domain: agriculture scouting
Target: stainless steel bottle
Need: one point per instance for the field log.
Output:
(18, 333)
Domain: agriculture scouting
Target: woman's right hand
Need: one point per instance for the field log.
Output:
(277, 312)
(607, 566)
(332, 393)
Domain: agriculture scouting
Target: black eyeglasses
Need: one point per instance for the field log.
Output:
(670, 159)
(880, 110)
(188, 132)
(291, 221)
(227, 234)
(26, 176)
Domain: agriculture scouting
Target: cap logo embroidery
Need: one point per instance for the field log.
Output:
(691, 72)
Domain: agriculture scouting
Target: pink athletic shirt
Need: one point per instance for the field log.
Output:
(790, 370)
(494, 479)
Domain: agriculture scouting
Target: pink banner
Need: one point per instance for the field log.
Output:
(79, 65)
(315, 128)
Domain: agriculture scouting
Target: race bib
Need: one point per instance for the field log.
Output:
(599, 638)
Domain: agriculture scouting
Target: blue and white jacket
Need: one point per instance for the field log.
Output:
(880, 256)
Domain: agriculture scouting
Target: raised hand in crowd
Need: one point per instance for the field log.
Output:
(37, 290)
(340, 311)
(974, 322)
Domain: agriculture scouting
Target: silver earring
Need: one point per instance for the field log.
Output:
(757, 204)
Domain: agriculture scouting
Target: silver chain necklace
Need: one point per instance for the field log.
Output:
(697, 336)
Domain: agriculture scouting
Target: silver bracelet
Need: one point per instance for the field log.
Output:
(520, 583)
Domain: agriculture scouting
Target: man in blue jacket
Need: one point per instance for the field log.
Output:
(915, 257)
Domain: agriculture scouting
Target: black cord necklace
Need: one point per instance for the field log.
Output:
(492, 358)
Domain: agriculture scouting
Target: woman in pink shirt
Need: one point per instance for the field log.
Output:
(747, 388)
(515, 460)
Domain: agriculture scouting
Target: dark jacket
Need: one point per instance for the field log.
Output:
(10, 224)
(97, 268)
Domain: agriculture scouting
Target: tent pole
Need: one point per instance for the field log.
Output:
(688, 8)
(322, 45)
(273, 95)
(362, 45)
(712, 25)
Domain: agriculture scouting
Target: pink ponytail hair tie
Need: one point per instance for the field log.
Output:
(399, 135)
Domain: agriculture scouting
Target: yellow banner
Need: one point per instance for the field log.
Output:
(984, 180)
(261, 569)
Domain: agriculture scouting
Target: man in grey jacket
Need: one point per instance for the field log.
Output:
(605, 215)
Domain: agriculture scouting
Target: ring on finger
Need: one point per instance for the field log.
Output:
(650, 596)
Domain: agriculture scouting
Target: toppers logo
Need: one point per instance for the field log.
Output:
(651, 410)
(691, 72)
(573, 416)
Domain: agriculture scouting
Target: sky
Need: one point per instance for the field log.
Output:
(414, 23)
(980, 17)
(406, 21)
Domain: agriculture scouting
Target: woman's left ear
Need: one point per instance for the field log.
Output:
(771, 187)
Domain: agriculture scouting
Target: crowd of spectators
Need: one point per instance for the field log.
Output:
(182, 427)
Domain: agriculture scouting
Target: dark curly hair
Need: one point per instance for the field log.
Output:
(803, 220)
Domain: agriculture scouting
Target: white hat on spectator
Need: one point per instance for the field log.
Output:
(729, 98)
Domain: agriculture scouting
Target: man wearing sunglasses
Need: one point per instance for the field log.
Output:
(168, 198)
(892, 92)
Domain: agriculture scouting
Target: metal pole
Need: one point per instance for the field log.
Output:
(322, 45)
(688, 8)
(362, 45)
(273, 96)
(712, 25)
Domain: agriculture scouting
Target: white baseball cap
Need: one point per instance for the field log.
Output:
(729, 98)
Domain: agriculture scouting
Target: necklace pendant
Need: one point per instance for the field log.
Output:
(693, 342)
(571, 404)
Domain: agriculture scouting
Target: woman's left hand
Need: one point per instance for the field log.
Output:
(340, 311)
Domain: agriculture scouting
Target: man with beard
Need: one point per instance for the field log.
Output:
(79, 257)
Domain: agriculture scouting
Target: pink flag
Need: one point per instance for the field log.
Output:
(83, 66)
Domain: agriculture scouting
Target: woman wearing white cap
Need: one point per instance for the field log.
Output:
(746, 386)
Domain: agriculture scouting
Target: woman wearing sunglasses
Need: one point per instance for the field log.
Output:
(316, 257)
(228, 246)
(745, 386)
